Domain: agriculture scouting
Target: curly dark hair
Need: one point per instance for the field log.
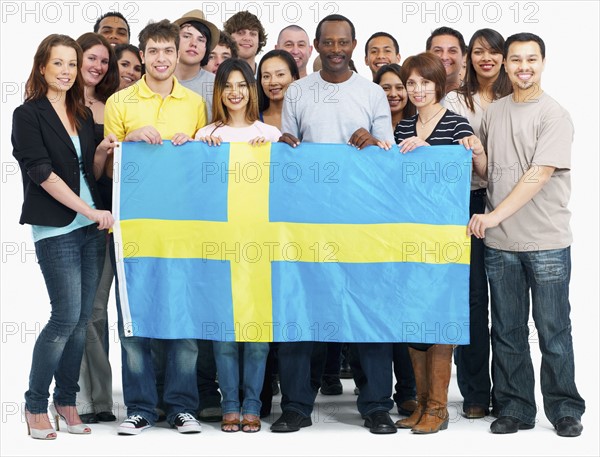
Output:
(246, 20)
(112, 14)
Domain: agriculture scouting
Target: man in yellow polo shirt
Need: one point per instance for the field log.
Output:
(157, 107)
(154, 109)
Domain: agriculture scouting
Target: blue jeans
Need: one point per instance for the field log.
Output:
(405, 388)
(374, 379)
(138, 372)
(473, 360)
(206, 369)
(547, 274)
(71, 265)
(300, 369)
(208, 387)
(372, 373)
(228, 369)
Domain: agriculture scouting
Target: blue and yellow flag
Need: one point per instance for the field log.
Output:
(273, 243)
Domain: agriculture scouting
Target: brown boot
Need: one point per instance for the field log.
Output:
(439, 367)
(419, 363)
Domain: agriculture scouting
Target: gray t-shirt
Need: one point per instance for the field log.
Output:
(518, 136)
(203, 83)
(317, 111)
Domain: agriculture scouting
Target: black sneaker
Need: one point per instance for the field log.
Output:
(133, 425)
(186, 423)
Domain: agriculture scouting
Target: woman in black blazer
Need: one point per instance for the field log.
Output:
(53, 140)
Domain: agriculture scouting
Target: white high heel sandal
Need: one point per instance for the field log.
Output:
(79, 429)
(36, 433)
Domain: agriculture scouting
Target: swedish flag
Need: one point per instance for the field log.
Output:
(320, 242)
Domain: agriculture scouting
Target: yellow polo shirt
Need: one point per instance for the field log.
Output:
(182, 111)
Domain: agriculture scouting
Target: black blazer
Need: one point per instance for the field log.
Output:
(42, 145)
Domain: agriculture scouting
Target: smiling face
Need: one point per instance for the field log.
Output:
(335, 47)
(247, 41)
(296, 42)
(380, 52)
(524, 65)
(394, 91)
(130, 69)
(486, 61)
(276, 77)
(60, 71)
(114, 29)
(235, 96)
(447, 48)
(421, 91)
(160, 59)
(192, 45)
(95, 65)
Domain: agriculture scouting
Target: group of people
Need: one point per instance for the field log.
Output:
(189, 81)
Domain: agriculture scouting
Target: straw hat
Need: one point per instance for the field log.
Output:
(198, 15)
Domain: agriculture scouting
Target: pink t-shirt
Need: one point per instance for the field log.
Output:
(241, 134)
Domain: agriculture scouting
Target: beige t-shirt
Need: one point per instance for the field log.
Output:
(518, 136)
(457, 103)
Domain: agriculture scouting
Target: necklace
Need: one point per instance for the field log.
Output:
(90, 101)
(432, 117)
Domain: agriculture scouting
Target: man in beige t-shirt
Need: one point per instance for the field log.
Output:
(528, 137)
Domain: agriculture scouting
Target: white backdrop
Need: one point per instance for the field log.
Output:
(570, 31)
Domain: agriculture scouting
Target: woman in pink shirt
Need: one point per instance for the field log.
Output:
(235, 119)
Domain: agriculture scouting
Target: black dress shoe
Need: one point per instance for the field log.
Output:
(346, 371)
(475, 412)
(211, 414)
(89, 418)
(275, 386)
(290, 421)
(106, 416)
(568, 426)
(331, 385)
(509, 424)
(162, 416)
(380, 423)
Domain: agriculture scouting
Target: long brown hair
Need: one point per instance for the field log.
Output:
(502, 86)
(110, 82)
(220, 114)
(36, 87)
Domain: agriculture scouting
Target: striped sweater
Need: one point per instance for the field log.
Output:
(450, 128)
